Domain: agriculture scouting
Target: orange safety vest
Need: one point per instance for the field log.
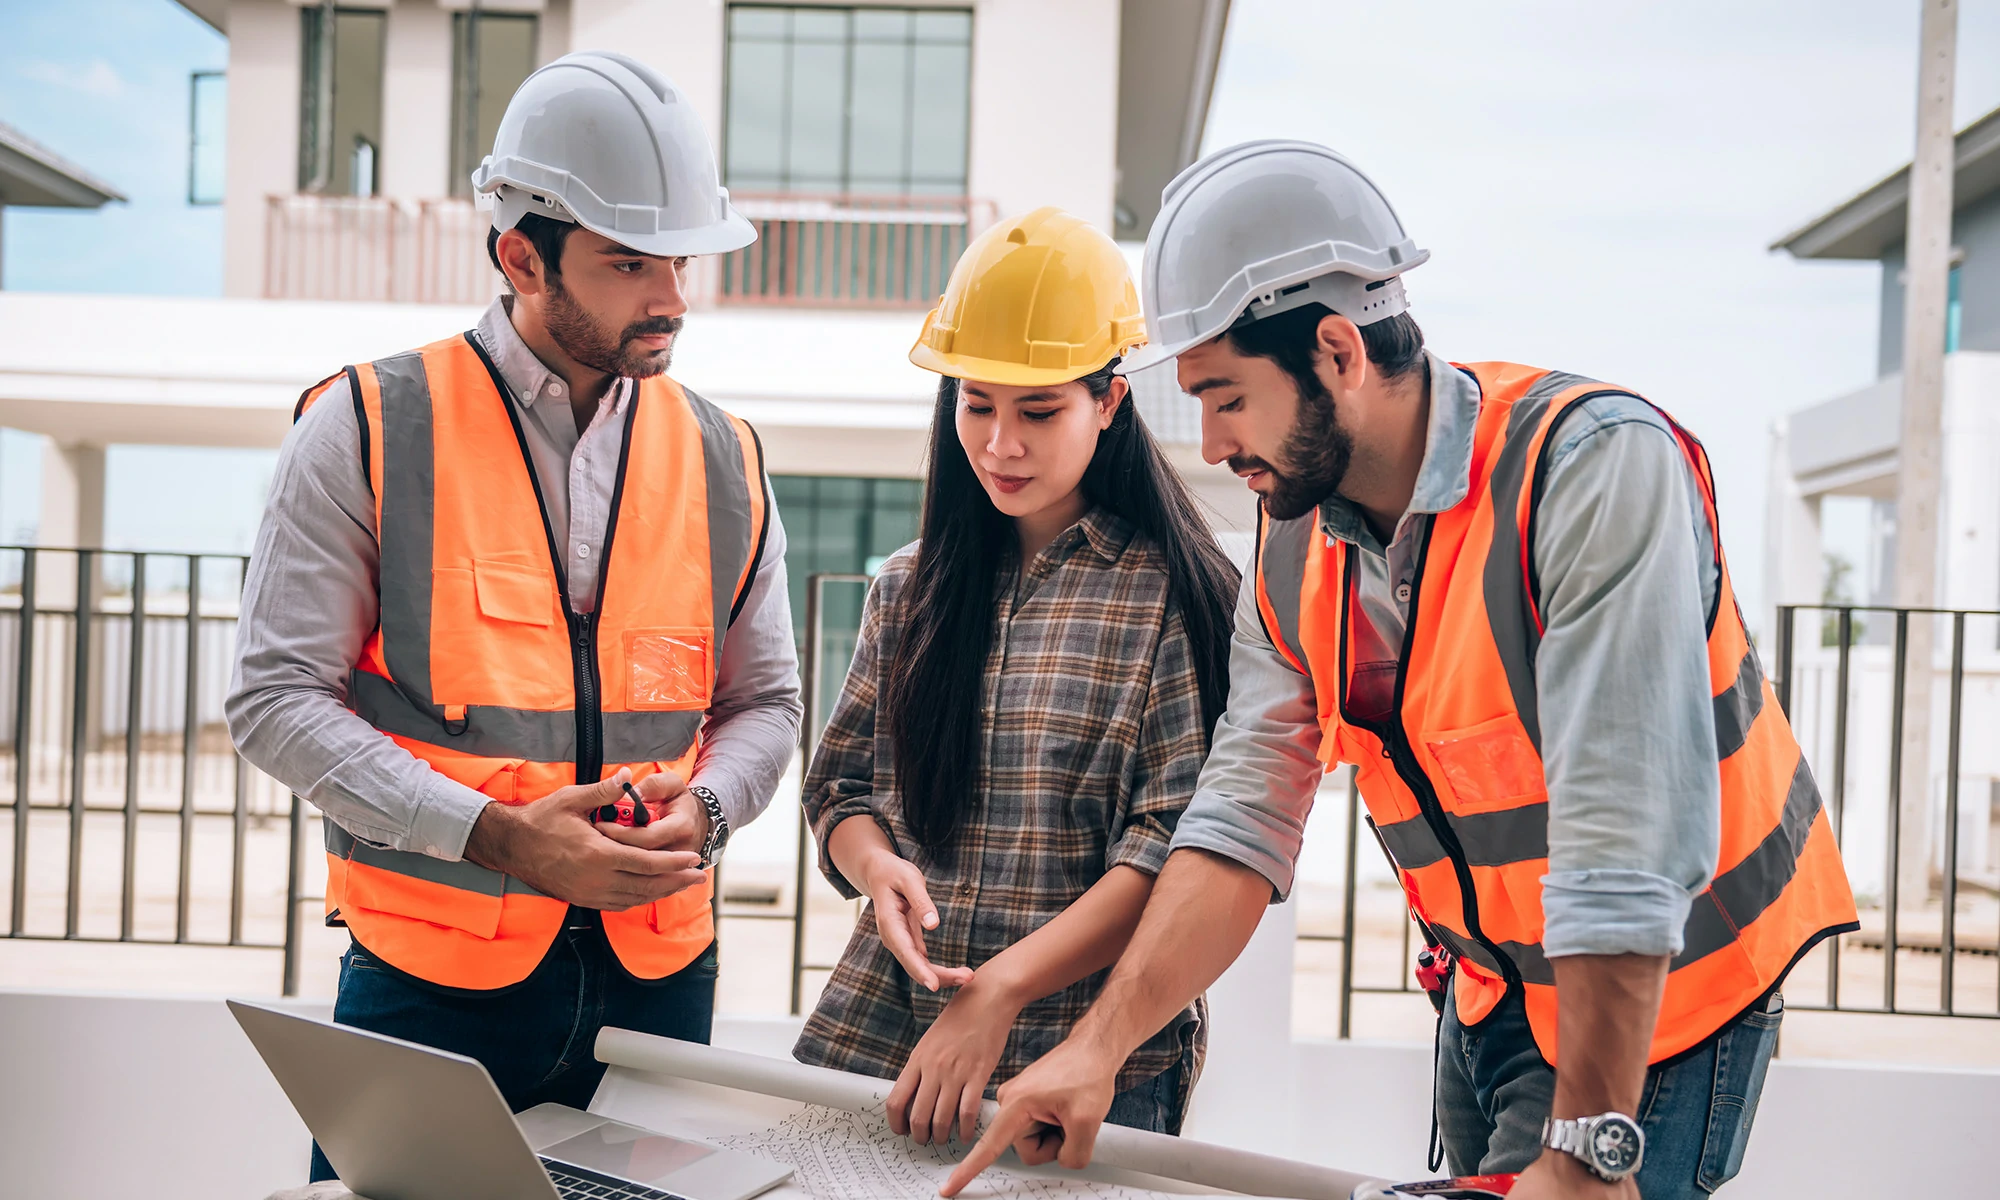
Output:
(479, 666)
(1452, 775)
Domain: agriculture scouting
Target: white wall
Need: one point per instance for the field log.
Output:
(416, 101)
(263, 133)
(1045, 106)
(684, 38)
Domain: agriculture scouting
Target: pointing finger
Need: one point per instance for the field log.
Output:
(1006, 1126)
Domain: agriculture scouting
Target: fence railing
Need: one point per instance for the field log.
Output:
(811, 250)
(1882, 700)
(130, 818)
(118, 764)
(848, 251)
(375, 248)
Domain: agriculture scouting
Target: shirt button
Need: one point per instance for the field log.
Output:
(555, 387)
(1402, 593)
(583, 551)
(965, 889)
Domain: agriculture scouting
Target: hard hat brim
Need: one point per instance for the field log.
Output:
(733, 232)
(998, 372)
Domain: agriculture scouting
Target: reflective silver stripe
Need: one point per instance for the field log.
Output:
(1527, 958)
(732, 537)
(1506, 583)
(1281, 561)
(1739, 705)
(409, 510)
(465, 876)
(536, 735)
(1741, 894)
(1490, 839)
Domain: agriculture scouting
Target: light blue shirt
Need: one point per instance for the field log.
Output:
(1626, 564)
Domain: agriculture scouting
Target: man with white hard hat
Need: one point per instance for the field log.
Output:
(1498, 593)
(517, 618)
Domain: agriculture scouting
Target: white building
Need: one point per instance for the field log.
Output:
(1846, 447)
(867, 142)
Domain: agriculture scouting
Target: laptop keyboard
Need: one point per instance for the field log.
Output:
(575, 1183)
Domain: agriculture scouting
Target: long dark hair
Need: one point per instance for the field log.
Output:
(931, 701)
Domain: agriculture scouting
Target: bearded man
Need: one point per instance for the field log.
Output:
(517, 618)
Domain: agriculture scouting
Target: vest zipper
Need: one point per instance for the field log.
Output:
(1396, 748)
(589, 718)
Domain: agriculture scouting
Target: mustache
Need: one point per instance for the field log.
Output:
(652, 327)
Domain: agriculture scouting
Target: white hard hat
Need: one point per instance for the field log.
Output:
(611, 144)
(1261, 228)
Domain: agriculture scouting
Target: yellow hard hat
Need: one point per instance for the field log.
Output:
(1037, 300)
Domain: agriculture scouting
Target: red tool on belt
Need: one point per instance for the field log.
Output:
(1434, 962)
(629, 811)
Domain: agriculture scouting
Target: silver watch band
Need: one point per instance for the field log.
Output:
(718, 825)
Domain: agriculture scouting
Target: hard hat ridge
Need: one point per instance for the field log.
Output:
(607, 142)
(1261, 228)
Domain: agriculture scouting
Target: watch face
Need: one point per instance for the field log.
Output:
(1614, 1146)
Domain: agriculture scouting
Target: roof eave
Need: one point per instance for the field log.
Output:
(33, 176)
(1869, 225)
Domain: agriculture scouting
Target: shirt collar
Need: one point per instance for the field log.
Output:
(526, 376)
(1444, 478)
(1107, 532)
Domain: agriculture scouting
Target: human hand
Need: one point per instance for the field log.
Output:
(947, 1072)
(550, 845)
(1559, 1176)
(903, 910)
(1051, 1111)
(679, 820)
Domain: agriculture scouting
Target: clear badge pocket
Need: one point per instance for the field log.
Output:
(668, 668)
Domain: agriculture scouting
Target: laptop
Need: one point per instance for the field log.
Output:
(400, 1121)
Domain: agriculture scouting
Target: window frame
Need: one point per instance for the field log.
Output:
(318, 70)
(465, 153)
(194, 197)
(909, 183)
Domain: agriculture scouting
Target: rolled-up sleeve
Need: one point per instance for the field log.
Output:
(1256, 789)
(1173, 739)
(1628, 725)
(840, 780)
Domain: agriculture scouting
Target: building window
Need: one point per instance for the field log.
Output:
(340, 101)
(491, 53)
(1954, 312)
(853, 100)
(208, 117)
(840, 526)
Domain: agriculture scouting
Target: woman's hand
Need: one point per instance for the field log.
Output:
(947, 1072)
(903, 910)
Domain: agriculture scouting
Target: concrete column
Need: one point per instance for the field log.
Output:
(1794, 557)
(1920, 455)
(263, 133)
(1015, 160)
(72, 516)
(416, 92)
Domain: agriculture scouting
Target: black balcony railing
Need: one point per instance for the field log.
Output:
(130, 818)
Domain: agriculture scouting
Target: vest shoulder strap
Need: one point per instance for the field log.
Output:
(756, 482)
(311, 396)
(1280, 572)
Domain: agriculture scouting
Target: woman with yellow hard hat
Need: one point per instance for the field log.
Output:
(1028, 705)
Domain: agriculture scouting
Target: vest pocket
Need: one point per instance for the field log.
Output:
(513, 592)
(1491, 765)
(668, 668)
(381, 892)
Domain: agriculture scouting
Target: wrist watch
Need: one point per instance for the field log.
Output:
(1610, 1145)
(718, 825)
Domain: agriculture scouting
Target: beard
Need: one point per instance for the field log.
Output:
(584, 339)
(1315, 453)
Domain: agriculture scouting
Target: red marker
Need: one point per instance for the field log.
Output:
(630, 812)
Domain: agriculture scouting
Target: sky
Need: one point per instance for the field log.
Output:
(1597, 184)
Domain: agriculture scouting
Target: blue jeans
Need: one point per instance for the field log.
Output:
(1494, 1090)
(535, 1038)
(1155, 1104)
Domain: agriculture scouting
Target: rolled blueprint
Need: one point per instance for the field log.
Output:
(1199, 1163)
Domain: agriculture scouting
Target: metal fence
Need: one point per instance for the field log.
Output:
(116, 752)
(130, 818)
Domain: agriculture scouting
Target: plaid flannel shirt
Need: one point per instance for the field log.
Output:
(1093, 738)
